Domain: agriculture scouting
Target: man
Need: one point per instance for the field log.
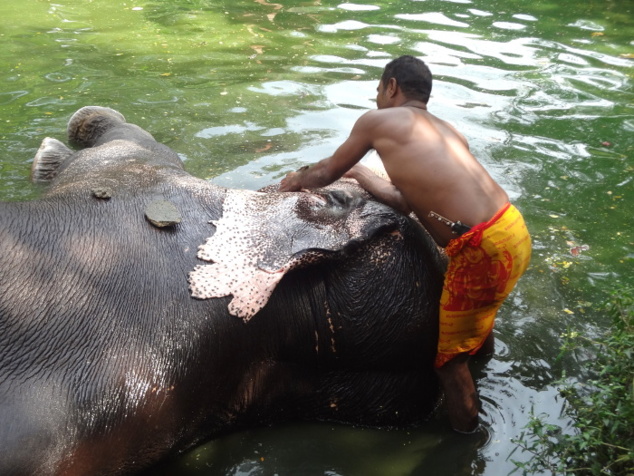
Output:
(433, 174)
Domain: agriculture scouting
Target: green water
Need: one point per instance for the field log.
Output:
(248, 90)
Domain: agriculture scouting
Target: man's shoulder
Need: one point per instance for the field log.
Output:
(376, 117)
(390, 111)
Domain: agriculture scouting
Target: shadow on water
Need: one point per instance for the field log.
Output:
(246, 91)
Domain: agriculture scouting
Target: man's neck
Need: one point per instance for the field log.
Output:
(415, 103)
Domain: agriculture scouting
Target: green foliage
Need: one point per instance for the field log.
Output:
(601, 441)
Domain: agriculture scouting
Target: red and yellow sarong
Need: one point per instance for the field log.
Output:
(485, 264)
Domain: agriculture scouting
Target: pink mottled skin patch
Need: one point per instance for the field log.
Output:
(262, 236)
(251, 287)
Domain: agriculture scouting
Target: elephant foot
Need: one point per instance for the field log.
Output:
(51, 154)
(91, 122)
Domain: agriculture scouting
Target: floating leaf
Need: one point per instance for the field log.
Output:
(265, 148)
(576, 250)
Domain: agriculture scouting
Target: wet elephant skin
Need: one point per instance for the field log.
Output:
(108, 365)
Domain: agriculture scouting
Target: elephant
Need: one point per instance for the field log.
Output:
(128, 334)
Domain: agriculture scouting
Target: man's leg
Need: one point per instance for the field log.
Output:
(487, 348)
(461, 397)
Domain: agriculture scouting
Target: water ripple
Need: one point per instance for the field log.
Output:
(515, 52)
(355, 7)
(507, 25)
(10, 96)
(347, 25)
(432, 17)
(58, 77)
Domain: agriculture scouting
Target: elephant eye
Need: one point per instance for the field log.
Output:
(316, 201)
(340, 198)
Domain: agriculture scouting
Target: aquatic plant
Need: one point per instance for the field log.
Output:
(601, 408)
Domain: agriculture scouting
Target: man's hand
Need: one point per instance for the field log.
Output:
(290, 183)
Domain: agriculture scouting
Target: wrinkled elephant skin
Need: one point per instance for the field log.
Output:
(109, 359)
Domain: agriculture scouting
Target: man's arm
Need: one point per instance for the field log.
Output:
(328, 170)
(314, 176)
(383, 190)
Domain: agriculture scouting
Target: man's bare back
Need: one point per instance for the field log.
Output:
(429, 162)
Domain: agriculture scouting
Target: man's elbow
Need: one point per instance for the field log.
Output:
(398, 204)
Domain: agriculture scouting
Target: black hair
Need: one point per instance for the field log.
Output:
(412, 75)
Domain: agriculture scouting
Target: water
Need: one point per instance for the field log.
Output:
(246, 91)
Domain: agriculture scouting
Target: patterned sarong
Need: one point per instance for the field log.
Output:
(485, 264)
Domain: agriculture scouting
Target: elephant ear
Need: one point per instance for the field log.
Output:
(262, 236)
(91, 122)
(48, 159)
